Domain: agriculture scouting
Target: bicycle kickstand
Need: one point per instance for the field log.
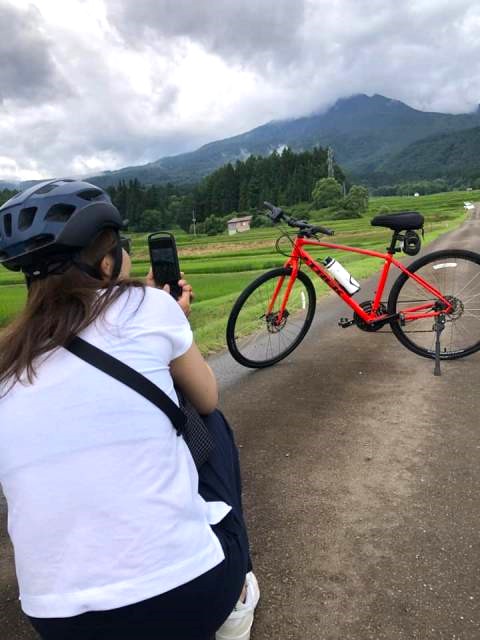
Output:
(439, 326)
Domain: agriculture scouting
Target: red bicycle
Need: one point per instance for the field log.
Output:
(433, 307)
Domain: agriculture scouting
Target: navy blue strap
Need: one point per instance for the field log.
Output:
(131, 378)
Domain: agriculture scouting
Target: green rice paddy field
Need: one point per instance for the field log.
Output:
(219, 267)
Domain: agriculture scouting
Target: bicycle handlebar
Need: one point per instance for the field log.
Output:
(278, 214)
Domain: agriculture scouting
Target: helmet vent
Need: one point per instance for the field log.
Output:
(90, 194)
(47, 188)
(60, 212)
(7, 224)
(26, 218)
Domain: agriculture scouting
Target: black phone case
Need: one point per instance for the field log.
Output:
(175, 289)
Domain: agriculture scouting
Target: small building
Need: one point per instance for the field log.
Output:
(238, 225)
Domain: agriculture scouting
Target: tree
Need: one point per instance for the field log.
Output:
(327, 192)
(213, 225)
(150, 220)
(260, 220)
(356, 200)
(180, 208)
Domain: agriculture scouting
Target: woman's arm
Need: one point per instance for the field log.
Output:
(189, 371)
(195, 378)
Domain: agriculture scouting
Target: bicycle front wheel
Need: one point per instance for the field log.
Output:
(456, 274)
(256, 337)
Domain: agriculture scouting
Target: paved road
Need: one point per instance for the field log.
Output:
(361, 481)
(362, 478)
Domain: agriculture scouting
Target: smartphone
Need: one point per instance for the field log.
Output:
(164, 261)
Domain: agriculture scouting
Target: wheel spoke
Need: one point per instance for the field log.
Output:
(457, 277)
(257, 337)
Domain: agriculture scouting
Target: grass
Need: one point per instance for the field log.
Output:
(219, 267)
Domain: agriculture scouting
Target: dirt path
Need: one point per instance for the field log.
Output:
(361, 475)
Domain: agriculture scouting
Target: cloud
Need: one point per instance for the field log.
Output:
(303, 55)
(28, 70)
(261, 33)
(87, 85)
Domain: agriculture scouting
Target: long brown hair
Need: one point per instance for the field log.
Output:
(58, 307)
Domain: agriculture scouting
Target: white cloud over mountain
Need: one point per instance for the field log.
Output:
(87, 85)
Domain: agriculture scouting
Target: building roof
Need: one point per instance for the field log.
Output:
(243, 219)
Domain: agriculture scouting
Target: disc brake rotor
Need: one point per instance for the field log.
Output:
(457, 311)
(273, 325)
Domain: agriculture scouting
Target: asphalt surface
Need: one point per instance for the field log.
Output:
(361, 479)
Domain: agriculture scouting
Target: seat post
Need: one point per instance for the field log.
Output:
(391, 248)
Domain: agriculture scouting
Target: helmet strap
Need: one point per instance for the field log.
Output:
(42, 270)
(88, 269)
(95, 272)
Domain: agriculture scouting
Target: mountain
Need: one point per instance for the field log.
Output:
(4, 184)
(364, 131)
(439, 156)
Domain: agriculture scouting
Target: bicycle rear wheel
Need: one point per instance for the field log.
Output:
(255, 338)
(456, 274)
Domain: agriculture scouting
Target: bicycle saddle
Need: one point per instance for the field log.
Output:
(401, 221)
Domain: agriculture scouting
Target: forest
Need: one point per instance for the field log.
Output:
(286, 178)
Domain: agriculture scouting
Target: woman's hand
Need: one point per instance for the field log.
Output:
(149, 280)
(186, 296)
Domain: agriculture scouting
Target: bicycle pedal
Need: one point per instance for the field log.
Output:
(345, 322)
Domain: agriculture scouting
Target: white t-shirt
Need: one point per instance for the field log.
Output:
(102, 494)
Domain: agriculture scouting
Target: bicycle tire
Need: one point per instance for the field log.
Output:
(455, 273)
(241, 340)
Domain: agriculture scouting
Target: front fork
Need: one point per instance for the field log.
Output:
(293, 276)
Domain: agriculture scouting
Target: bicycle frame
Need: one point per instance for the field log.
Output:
(299, 255)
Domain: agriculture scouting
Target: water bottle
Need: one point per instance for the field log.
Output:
(341, 275)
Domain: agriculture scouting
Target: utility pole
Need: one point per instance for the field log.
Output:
(330, 172)
(194, 220)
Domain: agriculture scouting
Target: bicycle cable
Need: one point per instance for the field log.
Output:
(284, 234)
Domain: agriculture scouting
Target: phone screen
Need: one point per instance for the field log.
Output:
(163, 255)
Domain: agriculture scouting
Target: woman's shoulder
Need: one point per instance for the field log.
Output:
(160, 300)
(150, 304)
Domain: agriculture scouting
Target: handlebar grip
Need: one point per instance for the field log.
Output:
(276, 212)
(324, 230)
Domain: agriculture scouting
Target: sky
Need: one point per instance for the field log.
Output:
(93, 85)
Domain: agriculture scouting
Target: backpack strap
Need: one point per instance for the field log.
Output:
(129, 377)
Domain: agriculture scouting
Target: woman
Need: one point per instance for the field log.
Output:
(112, 538)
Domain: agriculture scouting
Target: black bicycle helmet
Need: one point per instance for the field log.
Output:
(43, 229)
